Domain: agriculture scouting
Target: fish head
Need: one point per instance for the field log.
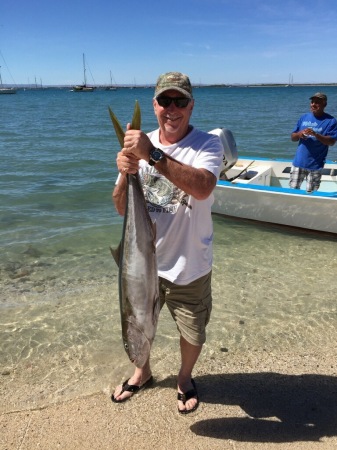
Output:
(136, 345)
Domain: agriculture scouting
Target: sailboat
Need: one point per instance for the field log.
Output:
(6, 90)
(291, 81)
(83, 87)
(111, 87)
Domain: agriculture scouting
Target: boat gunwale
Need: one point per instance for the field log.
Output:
(276, 189)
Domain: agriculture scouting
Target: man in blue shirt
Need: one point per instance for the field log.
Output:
(315, 131)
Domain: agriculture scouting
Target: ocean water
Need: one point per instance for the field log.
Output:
(273, 288)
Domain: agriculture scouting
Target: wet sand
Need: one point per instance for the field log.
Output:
(249, 400)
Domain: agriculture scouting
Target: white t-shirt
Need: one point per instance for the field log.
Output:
(184, 224)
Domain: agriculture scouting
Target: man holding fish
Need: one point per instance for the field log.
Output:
(178, 167)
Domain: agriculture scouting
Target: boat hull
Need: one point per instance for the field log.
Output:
(83, 88)
(266, 197)
(7, 91)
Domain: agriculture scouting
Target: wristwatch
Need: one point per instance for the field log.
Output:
(155, 156)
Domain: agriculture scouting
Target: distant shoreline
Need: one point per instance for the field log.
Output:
(195, 86)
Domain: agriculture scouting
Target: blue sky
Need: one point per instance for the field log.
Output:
(213, 41)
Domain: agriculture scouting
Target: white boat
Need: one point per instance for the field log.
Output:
(83, 87)
(5, 90)
(258, 189)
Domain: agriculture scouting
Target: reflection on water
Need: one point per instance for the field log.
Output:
(273, 289)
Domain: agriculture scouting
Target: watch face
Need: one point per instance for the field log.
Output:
(156, 154)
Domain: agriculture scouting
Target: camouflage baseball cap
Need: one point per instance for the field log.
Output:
(176, 81)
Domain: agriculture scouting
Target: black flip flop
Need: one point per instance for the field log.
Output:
(126, 387)
(189, 394)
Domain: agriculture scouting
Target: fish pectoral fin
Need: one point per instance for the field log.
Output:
(156, 309)
(154, 230)
(116, 253)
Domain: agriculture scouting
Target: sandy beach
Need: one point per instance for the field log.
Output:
(251, 400)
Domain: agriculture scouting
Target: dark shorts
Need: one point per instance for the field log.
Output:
(190, 306)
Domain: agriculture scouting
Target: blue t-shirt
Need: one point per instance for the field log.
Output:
(311, 153)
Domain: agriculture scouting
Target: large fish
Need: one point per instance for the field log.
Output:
(136, 259)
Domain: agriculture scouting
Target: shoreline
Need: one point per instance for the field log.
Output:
(103, 87)
(248, 400)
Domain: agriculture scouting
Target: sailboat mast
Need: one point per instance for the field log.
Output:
(85, 78)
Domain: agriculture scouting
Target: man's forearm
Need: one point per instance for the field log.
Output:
(325, 140)
(295, 136)
(196, 182)
(119, 195)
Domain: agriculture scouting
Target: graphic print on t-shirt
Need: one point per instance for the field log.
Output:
(161, 194)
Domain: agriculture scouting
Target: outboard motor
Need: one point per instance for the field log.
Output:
(230, 151)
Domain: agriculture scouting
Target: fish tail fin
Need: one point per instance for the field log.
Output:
(118, 128)
(136, 119)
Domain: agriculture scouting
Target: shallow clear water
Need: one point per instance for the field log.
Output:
(273, 288)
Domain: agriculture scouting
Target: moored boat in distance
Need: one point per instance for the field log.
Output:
(6, 90)
(258, 189)
(83, 87)
(111, 87)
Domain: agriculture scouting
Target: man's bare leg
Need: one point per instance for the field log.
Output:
(140, 376)
(189, 356)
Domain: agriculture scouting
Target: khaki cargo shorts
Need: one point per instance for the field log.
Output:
(190, 306)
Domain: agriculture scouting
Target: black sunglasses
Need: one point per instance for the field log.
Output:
(180, 102)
